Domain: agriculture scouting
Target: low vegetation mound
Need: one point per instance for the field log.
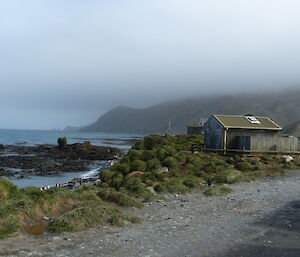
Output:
(155, 164)
(64, 210)
(167, 165)
(217, 191)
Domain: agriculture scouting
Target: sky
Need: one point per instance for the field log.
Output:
(67, 62)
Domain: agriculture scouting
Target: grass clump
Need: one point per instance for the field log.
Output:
(176, 186)
(160, 188)
(121, 199)
(153, 164)
(218, 191)
(8, 227)
(88, 215)
(75, 210)
(229, 176)
(138, 165)
(121, 167)
(170, 162)
(7, 189)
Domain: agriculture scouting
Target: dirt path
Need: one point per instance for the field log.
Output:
(261, 218)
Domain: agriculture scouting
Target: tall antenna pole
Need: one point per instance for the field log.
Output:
(169, 129)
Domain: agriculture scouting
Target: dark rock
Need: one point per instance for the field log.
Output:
(49, 160)
(4, 172)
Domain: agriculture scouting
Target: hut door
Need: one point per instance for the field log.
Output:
(243, 142)
(217, 141)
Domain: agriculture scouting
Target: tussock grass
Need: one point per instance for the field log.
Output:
(121, 199)
(218, 191)
(87, 215)
(187, 170)
(71, 210)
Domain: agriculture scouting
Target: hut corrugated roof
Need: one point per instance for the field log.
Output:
(247, 122)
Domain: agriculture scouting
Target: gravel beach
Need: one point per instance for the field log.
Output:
(260, 218)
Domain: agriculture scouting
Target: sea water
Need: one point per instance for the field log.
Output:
(36, 137)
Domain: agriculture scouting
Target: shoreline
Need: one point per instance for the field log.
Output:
(260, 218)
(27, 165)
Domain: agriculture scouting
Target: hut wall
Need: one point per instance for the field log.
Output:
(286, 143)
(259, 139)
(213, 134)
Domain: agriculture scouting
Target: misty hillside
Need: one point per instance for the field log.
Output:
(293, 129)
(284, 108)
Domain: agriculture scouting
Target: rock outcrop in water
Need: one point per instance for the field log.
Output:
(45, 160)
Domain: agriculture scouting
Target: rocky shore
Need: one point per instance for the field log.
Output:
(45, 160)
(260, 218)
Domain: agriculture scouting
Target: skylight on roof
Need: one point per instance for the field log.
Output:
(252, 119)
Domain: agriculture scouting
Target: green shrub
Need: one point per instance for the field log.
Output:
(117, 181)
(154, 176)
(229, 176)
(215, 168)
(160, 188)
(121, 167)
(119, 198)
(136, 188)
(7, 188)
(125, 159)
(60, 225)
(104, 185)
(86, 215)
(177, 187)
(200, 174)
(195, 161)
(170, 162)
(161, 154)
(181, 158)
(164, 152)
(244, 166)
(149, 176)
(153, 164)
(116, 220)
(152, 141)
(148, 155)
(134, 154)
(191, 182)
(9, 226)
(34, 193)
(190, 166)
(139, 145)
(138, 165)
(106, 175)
(218, 191)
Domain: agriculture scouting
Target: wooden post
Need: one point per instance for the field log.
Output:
(225, 140)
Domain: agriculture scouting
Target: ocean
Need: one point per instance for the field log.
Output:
(36, 137)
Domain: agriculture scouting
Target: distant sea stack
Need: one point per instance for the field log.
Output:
(284, 107)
